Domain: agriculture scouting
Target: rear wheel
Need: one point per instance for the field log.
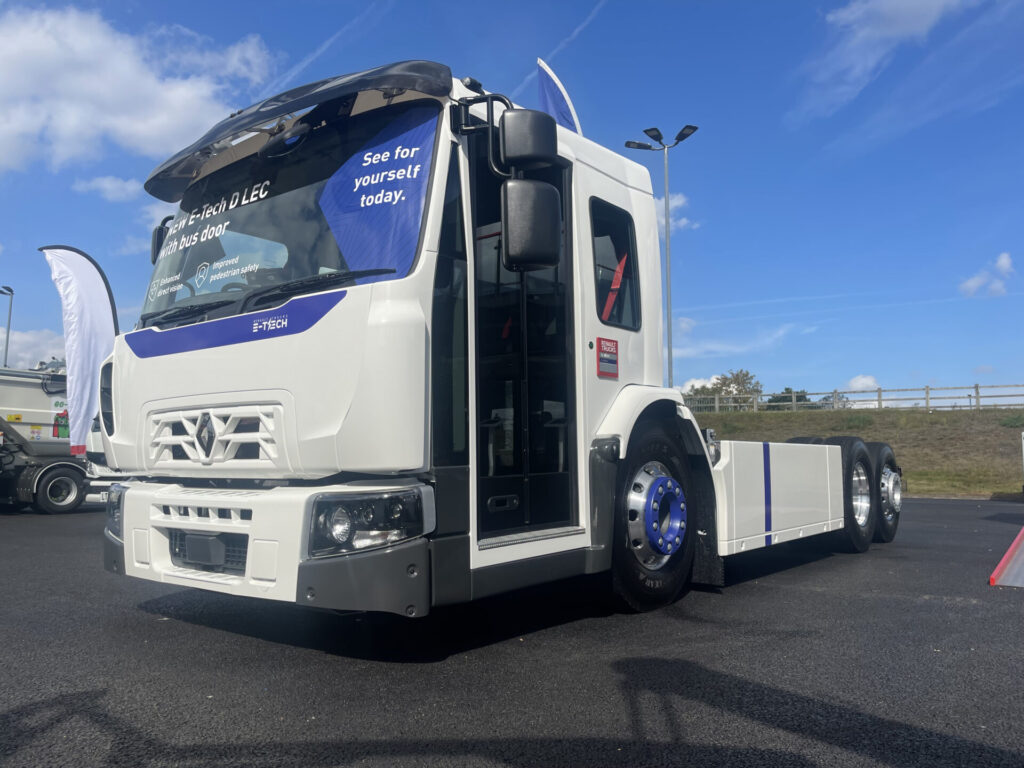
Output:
(858, 479)
(654, 546)
(59, 490)
(887, 491)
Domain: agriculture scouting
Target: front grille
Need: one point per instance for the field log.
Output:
(247, 436)
(236, 548)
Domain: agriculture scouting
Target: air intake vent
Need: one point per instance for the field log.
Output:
(107, 397)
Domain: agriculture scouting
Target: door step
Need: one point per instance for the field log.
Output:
(527, 536)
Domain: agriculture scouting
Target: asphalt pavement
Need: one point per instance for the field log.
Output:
(901, 656)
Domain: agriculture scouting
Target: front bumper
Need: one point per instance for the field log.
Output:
(267, 530)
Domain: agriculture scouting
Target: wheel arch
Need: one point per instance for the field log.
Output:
(44, 469)
(637, 403)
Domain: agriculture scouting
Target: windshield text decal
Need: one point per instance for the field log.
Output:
(374, 202)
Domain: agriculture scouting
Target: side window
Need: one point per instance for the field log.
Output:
(615, 272)
(449, 337)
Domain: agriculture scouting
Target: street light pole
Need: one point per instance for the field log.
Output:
(655, 134)
(9, 293)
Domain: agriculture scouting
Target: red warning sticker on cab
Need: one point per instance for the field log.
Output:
(607, 358)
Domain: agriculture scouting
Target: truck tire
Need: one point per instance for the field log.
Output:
(59, 490)
(887, 491)
(807, 440)
(653, 548)
(858, 480)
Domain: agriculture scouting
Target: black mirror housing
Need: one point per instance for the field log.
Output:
(531, 225)
(528, 139)
(159, 235)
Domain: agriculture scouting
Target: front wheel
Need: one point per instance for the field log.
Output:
(59, 490)
(654, 544)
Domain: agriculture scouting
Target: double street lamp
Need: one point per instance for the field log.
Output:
(655, 135)
(7, 291)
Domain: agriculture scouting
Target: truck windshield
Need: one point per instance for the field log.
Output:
(345, 197)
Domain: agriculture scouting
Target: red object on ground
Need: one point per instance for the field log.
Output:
(1007, 558)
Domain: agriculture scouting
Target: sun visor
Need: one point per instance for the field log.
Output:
(169, 180)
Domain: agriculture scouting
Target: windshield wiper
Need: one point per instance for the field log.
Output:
(293, 287)
(181, 313)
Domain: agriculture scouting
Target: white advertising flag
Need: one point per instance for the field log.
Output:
(90, 325)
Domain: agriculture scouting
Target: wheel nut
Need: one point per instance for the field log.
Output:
(677, 541)
(660, 490)
(655, 505)
(661, 542)
(669, 547)
(678, 491)
(654, 526)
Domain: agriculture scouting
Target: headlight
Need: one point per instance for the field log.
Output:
(115, 509)
(351, 522)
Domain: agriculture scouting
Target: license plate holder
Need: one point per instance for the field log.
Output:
(204, 549)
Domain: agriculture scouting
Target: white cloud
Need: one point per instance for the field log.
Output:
(691, 347)
(691, 384)
(862, 382)
(29, 347)
(72, 83)
(996, 286)
(154, 212)
(982, 369)
(134, 246)
(1, 247)
(685, 324)
(865, 36)
(969, 72)
(972, 285)
(676, 202)
(110, 188)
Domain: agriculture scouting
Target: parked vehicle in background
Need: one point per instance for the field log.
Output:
(36, 465)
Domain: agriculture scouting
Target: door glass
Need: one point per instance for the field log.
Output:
(524, 377)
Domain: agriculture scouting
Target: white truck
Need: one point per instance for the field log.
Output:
(402, 349)
(36, 465)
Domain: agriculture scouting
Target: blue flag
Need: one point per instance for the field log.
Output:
(554, 100)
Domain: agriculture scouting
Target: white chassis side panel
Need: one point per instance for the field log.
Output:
(773, 492)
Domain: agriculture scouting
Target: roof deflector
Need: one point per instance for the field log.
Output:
(169, 180)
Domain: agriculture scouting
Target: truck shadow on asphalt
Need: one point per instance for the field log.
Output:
(747, 566)
(659, 739)
(449, 630)
(445, 632)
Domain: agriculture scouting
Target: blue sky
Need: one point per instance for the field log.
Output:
(851, 209)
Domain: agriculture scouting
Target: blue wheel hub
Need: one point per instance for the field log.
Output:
(665, 515)
(655, 515)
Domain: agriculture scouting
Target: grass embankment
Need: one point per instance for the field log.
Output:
(943, 453)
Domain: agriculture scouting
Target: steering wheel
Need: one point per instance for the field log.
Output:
(234, 287)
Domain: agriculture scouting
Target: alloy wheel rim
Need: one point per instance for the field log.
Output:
(656, 518)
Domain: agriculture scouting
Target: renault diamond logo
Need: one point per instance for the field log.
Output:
(205, 433)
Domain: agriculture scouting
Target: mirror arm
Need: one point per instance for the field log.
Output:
(465, 126)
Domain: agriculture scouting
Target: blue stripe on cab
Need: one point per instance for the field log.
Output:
(767, 496)
(297, 315)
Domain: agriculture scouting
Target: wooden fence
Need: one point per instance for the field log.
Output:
(973, 396)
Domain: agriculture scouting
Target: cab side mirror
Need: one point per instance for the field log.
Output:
(159, 235)
(528, 139)
(531, 225)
